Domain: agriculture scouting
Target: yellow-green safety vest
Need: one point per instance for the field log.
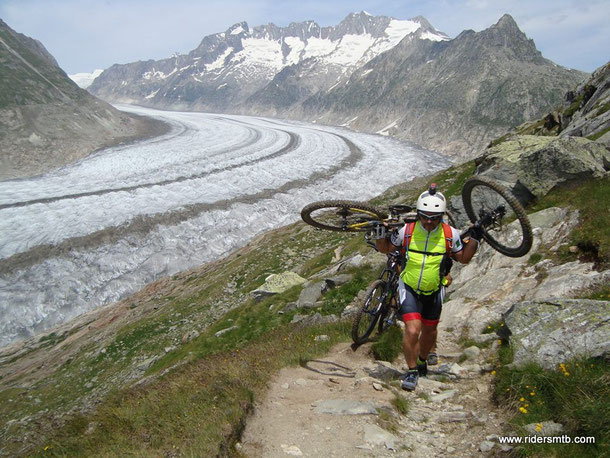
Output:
(424, 254)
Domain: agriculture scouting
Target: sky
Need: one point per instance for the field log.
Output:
(84, 35)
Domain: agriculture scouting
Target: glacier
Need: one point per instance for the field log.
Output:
(100, 229)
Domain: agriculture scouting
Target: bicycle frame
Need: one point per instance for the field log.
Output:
(390, 275)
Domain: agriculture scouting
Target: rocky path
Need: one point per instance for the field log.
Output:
(343, 406)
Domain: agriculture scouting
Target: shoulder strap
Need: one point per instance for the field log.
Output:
(448, 237)
(409, 228)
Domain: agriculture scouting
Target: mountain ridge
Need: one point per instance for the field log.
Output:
(458, 94)
(380, 75)
(228, 67)
(46, 120)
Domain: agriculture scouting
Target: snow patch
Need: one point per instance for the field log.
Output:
(261, 53)
(219, 62)
(333, 86)
(154, 74)
(317, 47)
(296, 49)
(237, 30)
(433, 36)
(397, 30)
(349, 122)
(386, 129)
(84, 80)
(351, 49)
(152, 94)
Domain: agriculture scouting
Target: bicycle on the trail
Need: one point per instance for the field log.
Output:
(489, 206)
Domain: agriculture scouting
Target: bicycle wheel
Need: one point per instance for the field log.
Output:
(341, 215)
(368, 314)
(451, 219)
(388, 318)
(506, 226)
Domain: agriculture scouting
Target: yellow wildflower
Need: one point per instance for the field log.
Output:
(522, 399)
(538, 427)
(532, 394)
(494, 373)
(522, 409)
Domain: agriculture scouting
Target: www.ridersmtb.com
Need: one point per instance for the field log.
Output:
(545, 440)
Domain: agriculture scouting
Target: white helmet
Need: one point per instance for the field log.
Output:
(431, 201)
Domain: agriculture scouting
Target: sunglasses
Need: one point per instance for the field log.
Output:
(434, 217)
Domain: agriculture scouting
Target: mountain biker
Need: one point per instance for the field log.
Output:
(426, 249)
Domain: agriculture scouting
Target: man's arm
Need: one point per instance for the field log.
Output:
(385, 246)
(470, 248)
(465, 255)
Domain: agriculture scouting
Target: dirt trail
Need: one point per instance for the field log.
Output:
(341, 406)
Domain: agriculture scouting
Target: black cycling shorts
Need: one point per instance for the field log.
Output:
(424, 307)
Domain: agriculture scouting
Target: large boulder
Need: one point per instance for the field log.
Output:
(532, 165)
(278, 283)
(553, 331)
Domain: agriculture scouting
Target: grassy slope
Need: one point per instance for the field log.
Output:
(199, 393)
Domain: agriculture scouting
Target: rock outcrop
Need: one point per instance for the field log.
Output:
(584, 112)
(532, 165)
(553, 331)
(587, 109)
(278, 283)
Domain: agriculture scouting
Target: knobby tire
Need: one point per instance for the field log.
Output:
(526, 228)
(348, 214)
(368, 313)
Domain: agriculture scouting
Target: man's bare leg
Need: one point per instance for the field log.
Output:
(427, 340)
(410, 342)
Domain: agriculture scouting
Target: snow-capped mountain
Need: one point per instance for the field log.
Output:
(395, 77)
(227, 68)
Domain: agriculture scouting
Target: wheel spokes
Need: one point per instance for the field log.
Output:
(499, 219)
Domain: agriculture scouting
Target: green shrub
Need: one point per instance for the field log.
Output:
(389, 345)
(534, 259)
(592, 234)
(401, 404)
(575, 394)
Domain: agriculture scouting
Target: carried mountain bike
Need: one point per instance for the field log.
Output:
(488, 204)
(380, 304)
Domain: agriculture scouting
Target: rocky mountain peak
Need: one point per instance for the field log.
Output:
(506, 22)
(360, 24)
(505, 36)
(423, 22)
